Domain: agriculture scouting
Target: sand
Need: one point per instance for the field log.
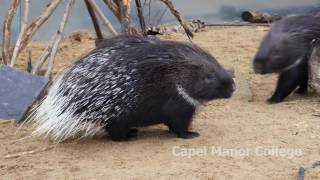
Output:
(242, 125)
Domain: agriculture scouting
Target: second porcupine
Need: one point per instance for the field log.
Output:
(285, 49)
(129, 82)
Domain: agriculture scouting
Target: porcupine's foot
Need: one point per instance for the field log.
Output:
(188, 135)
(179, 115)
(133, 132)
(121, 132)
(287, 82)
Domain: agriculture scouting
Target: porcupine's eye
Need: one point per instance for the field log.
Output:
(209, 78)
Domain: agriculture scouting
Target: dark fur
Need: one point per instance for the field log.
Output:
(288, 40)
(160, 66)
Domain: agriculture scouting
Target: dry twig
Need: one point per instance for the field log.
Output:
(10, 156)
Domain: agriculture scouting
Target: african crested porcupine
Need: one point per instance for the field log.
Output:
(129, 82)
(285, 50)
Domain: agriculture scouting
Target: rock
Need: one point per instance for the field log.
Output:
(18, 91)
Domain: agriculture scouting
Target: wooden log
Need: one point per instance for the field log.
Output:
(7, 31)
(59, 36)
(314, 67)
(22, 32)
(258, 17)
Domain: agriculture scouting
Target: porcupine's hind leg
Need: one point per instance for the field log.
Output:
(121, 131)
(178, 117)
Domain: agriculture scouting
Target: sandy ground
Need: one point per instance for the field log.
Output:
(242, 123)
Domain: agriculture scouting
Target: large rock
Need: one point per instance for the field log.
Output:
(18, 90)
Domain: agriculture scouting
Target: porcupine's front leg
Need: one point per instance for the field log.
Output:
(120, 131)
(178, 117)
(287, 82)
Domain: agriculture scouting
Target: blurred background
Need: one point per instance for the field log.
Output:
(213, 11)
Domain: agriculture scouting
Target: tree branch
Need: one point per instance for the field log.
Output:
(141, 18)
(94, 20)
(113, 6)
(58, 37)
(22, 31)
(104, 19)
(7, 30)
(35, 25)
(176, 14)
(124, 6)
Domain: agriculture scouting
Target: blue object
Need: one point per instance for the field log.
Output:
(18, 90)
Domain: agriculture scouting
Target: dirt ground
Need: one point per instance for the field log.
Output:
(242, 123)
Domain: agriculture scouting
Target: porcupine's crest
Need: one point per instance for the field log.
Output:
(75, 109)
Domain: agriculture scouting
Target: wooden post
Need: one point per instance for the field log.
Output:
(24, 25)
(94, 21)
(141, 18)
(104, 19)
(58, 37)
(7, 31)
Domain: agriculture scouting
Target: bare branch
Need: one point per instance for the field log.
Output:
(104, 19)
(58, 37)
(94, 20)
(42, 60)
(22, 31)
(141, 18)
(183, 23)
(114, 7)
(7, 30)
(124, 6)
(35, 25)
